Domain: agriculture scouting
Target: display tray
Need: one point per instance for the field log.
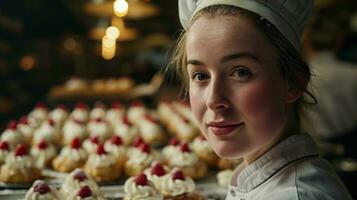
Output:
(112, 190)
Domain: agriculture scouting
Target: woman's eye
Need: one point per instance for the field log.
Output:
(242, 72)
(199, 76)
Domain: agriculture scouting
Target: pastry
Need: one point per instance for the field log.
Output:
(139, 158)
(19, 167)
(39, 113)
(99, 111)
(91, 144)
(126, 130)
(12, 136)
(75, 180)
(116, 148)
(59, 114)
(177, 186)
(80, 112)
(4, 151)
(40, 190)
(70, 157)
(171, 150)
(140, 187)
(73, 129)
(100, 128)
(224, 177)
(188, 162)
(150, 130)
(156, 174)
(115, 113)
(204, 151)
(102, 166)
(136, 111)
(26, 129)
(49, 132)
(44, 153)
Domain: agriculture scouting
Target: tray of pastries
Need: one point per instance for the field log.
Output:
(109, 152)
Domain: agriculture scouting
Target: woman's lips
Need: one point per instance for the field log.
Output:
(221, 130)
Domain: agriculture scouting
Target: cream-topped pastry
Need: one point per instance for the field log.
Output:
(150, 130)
(26, 129)
(59, 114)
(102, 166)
(156, 174)
(75, 180)
(74, 129)
(117, 149)
(171, 150)
(136, 111)
(40, 190)
(48, 132)
(126, 130)
(140, 188)
(184, 110)
(19, 167)
(80, 112)
(91, 144)
(85, 193)
(178, 186)
(12, 136)
(70, 157)
(100, 128)
(165, 112)
(115, 113)
(204, 151)
(184, 130)
(188, 162)
(99, 111)
(4, 151)
(40, 112)
(139, 159)
(44, 153)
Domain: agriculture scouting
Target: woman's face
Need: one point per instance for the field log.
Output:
(236, 91)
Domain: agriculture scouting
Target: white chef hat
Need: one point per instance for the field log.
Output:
(288, 16)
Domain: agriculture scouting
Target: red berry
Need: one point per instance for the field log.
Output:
(151, 119)
(12, 125)
(75, 144)
(174, 142)
(85, 191)
(145, 148)
(178, 175)
(138, 141)
(80, 176)
(126, 121)
(62, 106)
(158, 170)
(184, 147)
(100, 149)
(94, 139)
(116, 105)
(98, 120)
(81, 105)
(41, 187)
(20, 150)
(23, 120)
(137, 103)
(116, 139)
(141, 179)
(4, 145)
(40, 105)
(185, 120)
(77, 121)
(42, 144)
(51, 122)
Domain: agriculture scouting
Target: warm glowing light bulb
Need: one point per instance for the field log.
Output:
(121, 8)
(112, 32)
(108, 42)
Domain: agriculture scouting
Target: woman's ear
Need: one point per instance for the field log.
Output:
(296, 89)
(293, 95)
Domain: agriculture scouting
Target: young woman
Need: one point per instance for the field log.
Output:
(240, 65)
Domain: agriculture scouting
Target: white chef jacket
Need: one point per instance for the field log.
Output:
(292, 170)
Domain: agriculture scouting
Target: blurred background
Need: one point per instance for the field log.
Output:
(65, 51)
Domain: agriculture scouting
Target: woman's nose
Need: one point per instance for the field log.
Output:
(217, 95)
